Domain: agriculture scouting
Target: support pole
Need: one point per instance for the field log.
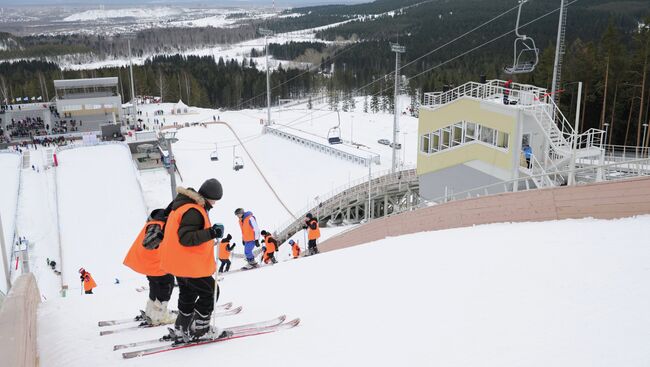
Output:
(133, 99)
(266, 33)
(572, 174)
(395, 47)
(172, 168)
(559, 51)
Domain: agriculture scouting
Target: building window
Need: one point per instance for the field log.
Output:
(457, 138)
(502, 139)
(470, 131)
(435, 141)
(446, 138)
(425, 146)
(487, 135)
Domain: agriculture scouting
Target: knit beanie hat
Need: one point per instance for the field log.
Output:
(211, 189)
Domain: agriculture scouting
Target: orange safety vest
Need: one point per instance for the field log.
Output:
(186, 261)
(142, 260)
(295, 250)
(89, 282)
(224, 254)
(270, 247)
(247, 231)
(313, 234)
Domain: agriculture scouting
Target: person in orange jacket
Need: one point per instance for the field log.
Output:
(270, 248)
(187, 252)
(313, 233)
(87, 280)
(144, 258)
(224, 253)
(295, 249)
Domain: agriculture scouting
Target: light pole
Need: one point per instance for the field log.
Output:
(170, 138)
(395, 47)
(129, 37)
(266, 33)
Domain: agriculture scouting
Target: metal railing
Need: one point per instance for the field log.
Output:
(524, 94)
(378, 179)
(15, 233)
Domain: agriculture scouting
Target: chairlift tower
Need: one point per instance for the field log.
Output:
(267, 33)
(559, 50)
(129, 37)
(398, 50)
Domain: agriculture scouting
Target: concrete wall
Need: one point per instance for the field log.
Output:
(456, 179)
(18, 324)
(605, 200)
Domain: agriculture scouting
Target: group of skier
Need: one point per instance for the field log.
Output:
(178, 242)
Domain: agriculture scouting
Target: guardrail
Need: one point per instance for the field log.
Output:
(13, 238)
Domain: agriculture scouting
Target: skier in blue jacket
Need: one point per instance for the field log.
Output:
(250, 234)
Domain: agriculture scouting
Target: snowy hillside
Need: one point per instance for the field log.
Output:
(101, 210)
(497, 295)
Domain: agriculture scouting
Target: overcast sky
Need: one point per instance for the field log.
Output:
(279, 3)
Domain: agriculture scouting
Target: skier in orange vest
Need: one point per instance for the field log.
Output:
(313, 233)
(224, 253)
(295, 249)
(187, 252)
(144, 258)
(270, 248)
(87, 281)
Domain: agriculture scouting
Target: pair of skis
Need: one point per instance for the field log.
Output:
(227, 307)
(235, 332)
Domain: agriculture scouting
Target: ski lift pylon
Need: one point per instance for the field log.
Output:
(334, 134)
(525, 52)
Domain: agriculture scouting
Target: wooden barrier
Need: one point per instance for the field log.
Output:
(18, 324)
(604, 200)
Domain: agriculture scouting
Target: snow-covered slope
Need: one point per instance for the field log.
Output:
(101, 210)
(567, 293)
(10, 168)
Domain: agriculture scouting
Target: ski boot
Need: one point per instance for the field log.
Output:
(180, 334)
(200, 329)
(252, 264)
(160, 315)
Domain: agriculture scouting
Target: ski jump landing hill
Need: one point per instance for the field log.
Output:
(100, 209)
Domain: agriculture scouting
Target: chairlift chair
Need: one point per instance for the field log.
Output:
(214, 156)
(334, 134)
(237, 161)
(525, 52)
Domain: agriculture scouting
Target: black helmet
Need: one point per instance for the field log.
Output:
(211, 189)
(309, 216)
(239, 211)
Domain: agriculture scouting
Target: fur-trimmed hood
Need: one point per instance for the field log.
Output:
(187, 195)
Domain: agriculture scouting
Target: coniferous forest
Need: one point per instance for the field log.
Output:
(607, 48)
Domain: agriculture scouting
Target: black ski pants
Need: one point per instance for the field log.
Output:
(196, 294)
(311, 247)
(161, 287)
(225, 266)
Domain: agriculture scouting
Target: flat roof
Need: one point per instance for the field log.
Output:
(88, 82)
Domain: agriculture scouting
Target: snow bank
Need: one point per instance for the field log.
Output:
(10, 168)
(566, 293)
(101, 210)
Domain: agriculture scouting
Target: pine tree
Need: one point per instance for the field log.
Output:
(365, 104)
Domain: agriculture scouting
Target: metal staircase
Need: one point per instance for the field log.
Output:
(384, 194)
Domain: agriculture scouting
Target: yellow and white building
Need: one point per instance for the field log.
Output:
(471, 137)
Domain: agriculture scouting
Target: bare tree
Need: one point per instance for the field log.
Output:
(161, 84)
